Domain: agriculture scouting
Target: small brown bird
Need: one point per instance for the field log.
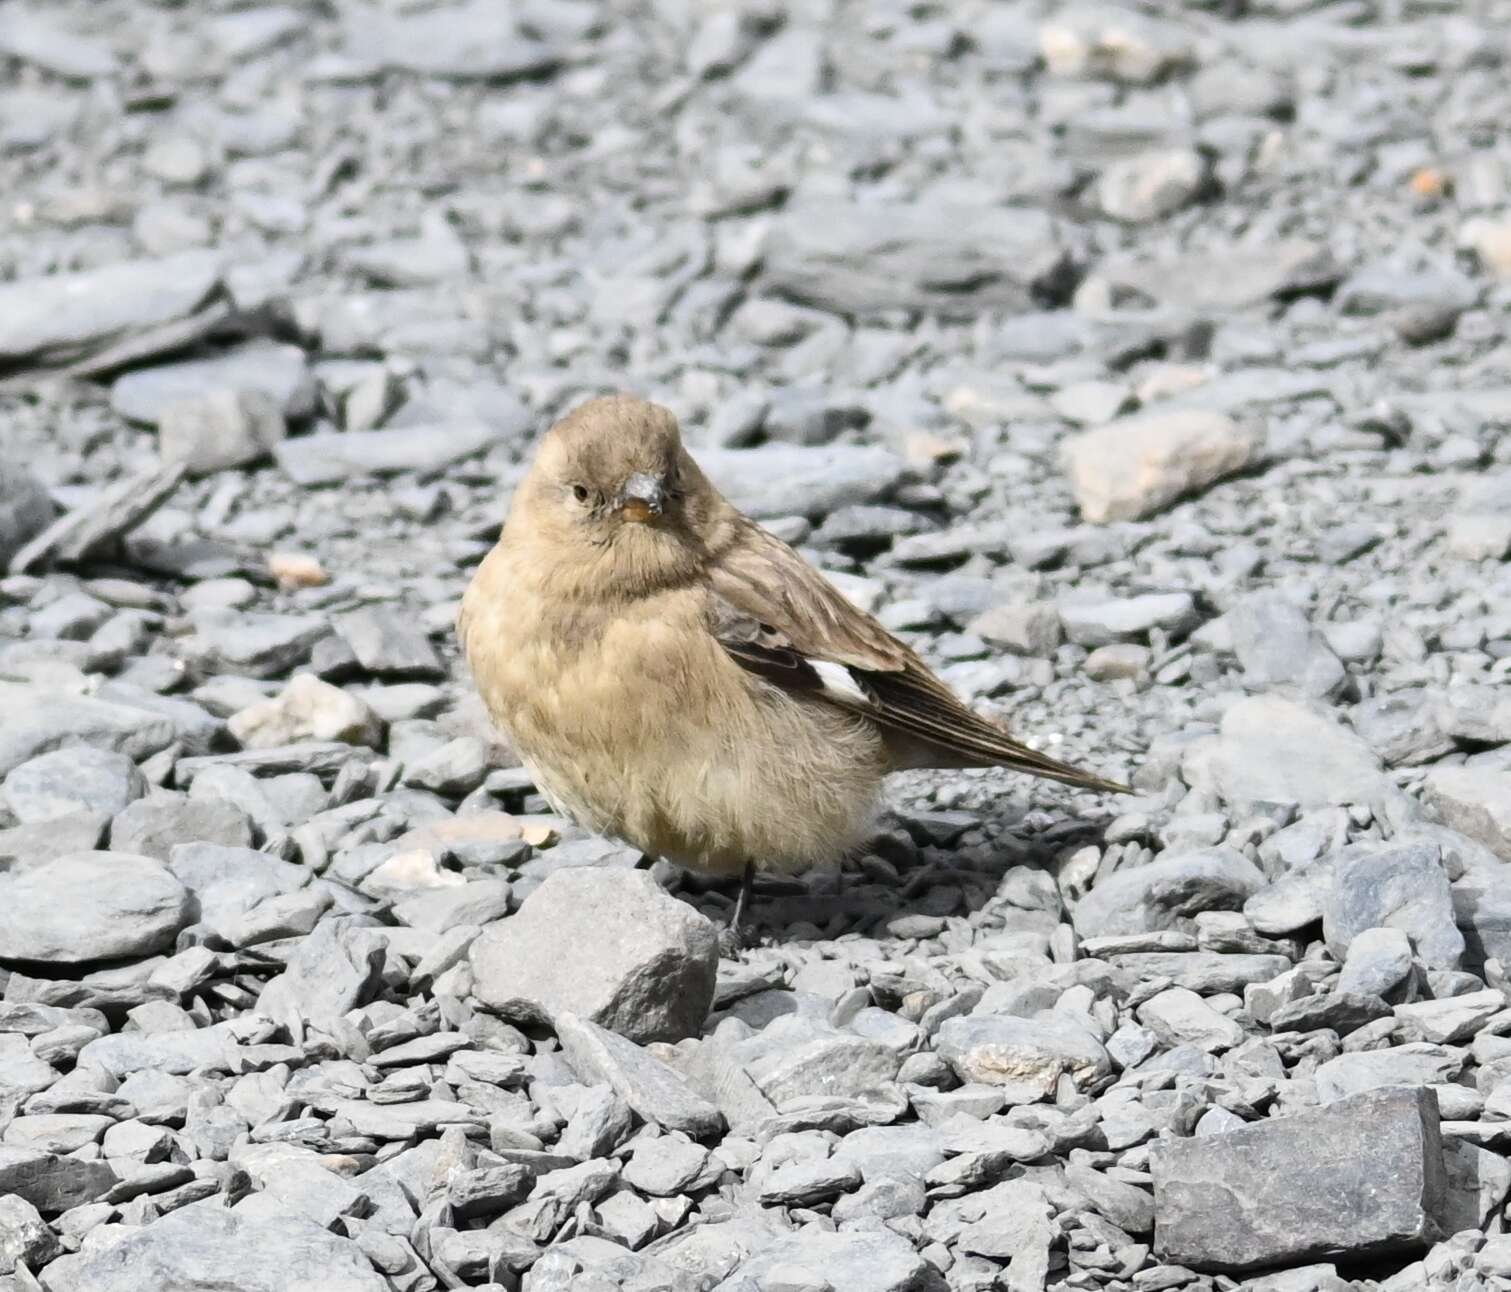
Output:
(675, 676)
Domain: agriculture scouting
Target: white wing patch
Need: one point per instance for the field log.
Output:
(839, 681)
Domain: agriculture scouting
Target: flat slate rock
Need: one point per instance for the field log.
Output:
(608, 945)
(62, 317)
(1360, 1177)
(207, 1246)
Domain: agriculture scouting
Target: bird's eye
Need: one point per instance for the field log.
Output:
(580, 492)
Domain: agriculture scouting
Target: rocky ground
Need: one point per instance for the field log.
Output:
(1144, 367)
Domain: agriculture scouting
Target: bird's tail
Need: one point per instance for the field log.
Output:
(1020, 758)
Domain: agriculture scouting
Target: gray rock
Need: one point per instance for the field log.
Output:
(62, 317)
(1335, 1011)
(807, 1183)
(1293, 901)
(389, 644)
(1480, 537)
(307, 709)
(1482, 910)
(1033, 630)
(335, 969)
(1111, 44)
(1137, 466)
(865, 259)
(1452, 1019)
(29, 845)
(100, 523)
(489, 1190)
(642, 964)
(1100, 623)
(24, 1235)
(1152, 185)
(256, 645)
(456, 768)
(1166, 894)
(1225, 278)
(469, 41)
(208, 1246)
(26, 509)
(226, 882)
(1027, 1056)
(665, 1165)
(1274, 750)
(278, 372)
(153, 826)
(49, 1182)
(1126, 1205)
(830, 1063)
(1205, 972)
(90, 906)
(1277, 647)
(1364, 1175)
(1379, 960)
(874, 1260)
(643, 1082)
(798, 480)
(1400, 888)
(174, 1053)
(20, 1068)
(1475, 801)
(1180, 1017)
(332, 457)
(477, 903)
(77, 779)
(1403, 727)
(219, 430)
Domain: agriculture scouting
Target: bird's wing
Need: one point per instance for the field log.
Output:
(781, 619)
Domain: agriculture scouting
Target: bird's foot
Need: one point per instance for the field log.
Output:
(737, 937)
(732, 941)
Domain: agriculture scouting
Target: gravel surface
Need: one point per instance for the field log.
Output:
(1146, 368)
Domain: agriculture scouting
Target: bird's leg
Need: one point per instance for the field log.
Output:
(734, 937)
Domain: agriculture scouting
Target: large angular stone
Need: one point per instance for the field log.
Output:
(26, 509)
(1275, 750)
(608, 945)
(1166, 894)
(1278, 647)
(78, 779)
(871, 1260)
(335, 969)
(476, 40)
(63, 316)
(280, 372)
(49, 1182)
(39, 723)
(1402, 888)
(307, 709)
(1137, 466)
(332, 457)
(655, 1091)
(1362, 1176)
(867, 259)
(210, 1247)
(1475, 801)
(1026, 1055)
(802, 480)
(90, 906)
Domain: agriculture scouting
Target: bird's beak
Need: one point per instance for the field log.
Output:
(641, 499)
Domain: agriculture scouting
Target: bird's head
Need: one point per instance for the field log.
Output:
(612, 482)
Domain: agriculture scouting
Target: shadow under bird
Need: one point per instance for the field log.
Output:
(673, 675)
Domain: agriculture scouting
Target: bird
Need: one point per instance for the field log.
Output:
(673, 675)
